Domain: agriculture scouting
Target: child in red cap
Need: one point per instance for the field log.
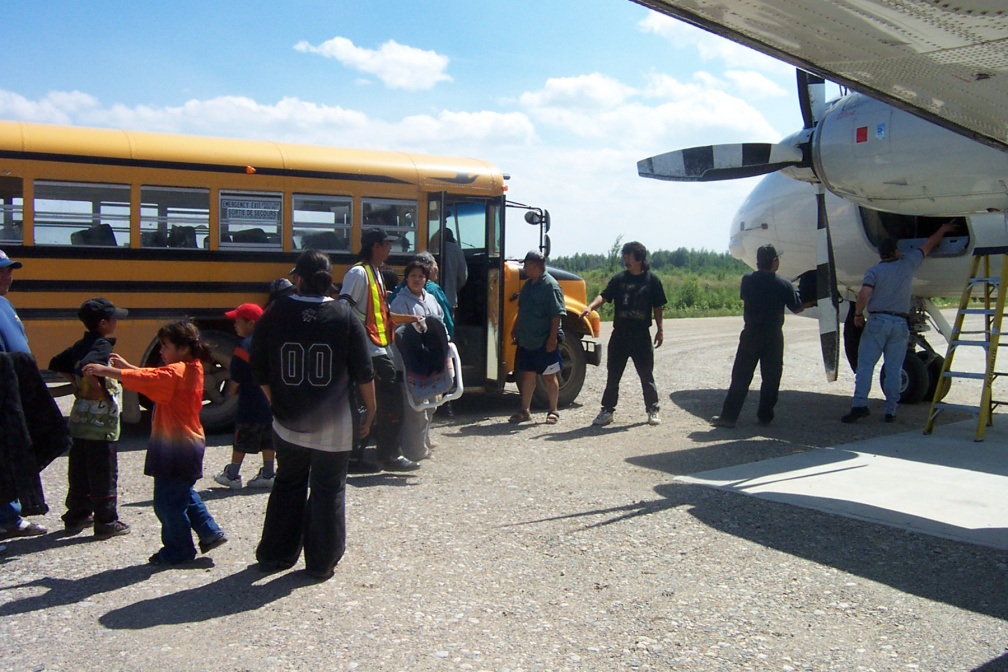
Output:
(253, 420)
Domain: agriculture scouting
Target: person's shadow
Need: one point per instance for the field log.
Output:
(229, 595)
(70, 591)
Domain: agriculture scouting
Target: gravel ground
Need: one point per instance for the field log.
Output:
(535, 548)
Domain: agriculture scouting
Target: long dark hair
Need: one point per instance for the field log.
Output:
(639, 253)
(184, 334)
(315, 270)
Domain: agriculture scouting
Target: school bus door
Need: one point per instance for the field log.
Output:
(477, 226)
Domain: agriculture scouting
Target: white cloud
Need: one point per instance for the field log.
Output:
(753, 85)
(589, 92)
(711, 47)
(288, 120)
(56, 107)
(590, 185)
(607, 111)
(397, 65)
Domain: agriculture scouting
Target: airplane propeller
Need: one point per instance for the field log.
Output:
(812, 99)
(710, 163)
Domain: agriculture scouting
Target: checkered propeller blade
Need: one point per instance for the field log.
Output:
(827, 295)
(712, 163)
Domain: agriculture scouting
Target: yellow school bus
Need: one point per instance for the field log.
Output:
(172, 226)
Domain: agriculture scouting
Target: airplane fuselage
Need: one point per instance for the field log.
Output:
(782, 211)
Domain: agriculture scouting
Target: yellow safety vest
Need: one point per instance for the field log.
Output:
(376, 318)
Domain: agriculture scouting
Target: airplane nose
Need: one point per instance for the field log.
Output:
(735, 248)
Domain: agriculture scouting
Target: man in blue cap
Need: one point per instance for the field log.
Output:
(12, 339)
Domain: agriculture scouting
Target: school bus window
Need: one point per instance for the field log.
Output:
(250, 220)
(174, 217)
(12, 209)
(76, 213)
(467, 221)
(433, 225)
(398, 218)
(322, 222)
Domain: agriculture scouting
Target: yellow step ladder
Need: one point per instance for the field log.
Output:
(989, 290)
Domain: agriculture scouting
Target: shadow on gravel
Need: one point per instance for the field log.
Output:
(963, 575)
(70, 591)
(395, 479)
(232, 594)
(999, 664)
(798, 412)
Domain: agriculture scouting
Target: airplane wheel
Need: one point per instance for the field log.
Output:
(935, 381)
(914, 380)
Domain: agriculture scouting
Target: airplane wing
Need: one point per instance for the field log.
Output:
(944, 61)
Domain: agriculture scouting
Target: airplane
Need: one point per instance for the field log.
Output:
(863, 170)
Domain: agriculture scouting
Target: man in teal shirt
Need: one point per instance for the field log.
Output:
(537, 333)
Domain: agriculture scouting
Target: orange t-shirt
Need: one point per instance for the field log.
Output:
(177, 441)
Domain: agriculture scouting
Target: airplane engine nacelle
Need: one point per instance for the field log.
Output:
(887, 159)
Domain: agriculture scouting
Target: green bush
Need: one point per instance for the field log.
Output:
(711, 289)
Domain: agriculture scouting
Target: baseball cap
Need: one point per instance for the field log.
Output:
(246, 311)
(6, 261)
(534, 255)
(765, 256)
(371, 236)
(281, 287)
(97, 309)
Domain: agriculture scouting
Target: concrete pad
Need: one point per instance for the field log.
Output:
(944, 484)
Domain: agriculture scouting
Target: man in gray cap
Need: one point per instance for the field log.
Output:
(536, 331)
(765, 295)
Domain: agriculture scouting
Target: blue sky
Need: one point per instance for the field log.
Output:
(565, 95)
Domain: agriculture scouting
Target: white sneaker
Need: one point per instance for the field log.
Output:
(603, 418)
(260, 481)
(653, 418)
(233, 483)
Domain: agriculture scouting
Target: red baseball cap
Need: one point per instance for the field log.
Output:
(247, 311)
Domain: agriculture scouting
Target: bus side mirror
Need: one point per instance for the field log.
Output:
(546, 220)
(533, 218)
(546, 246)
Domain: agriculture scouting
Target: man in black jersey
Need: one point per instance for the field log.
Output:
(309, 353)
(765, 294)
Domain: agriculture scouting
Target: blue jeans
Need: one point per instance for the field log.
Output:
(179, 508)
(10, 514)
(884, 336)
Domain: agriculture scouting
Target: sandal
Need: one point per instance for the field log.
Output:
(552, 418)
(520, 416)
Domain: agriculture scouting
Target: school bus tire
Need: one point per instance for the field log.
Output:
(217, 414)
(219, 407)
(571, 377)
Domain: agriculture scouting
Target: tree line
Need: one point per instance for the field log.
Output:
(698, 283)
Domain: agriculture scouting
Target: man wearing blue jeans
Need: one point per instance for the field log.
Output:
(886, 294)
(12, 339)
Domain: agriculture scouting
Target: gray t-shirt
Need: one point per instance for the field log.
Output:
(891, 283)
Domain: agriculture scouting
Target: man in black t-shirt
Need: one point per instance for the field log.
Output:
(638, 296)
(309, 353)
(765, 294)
